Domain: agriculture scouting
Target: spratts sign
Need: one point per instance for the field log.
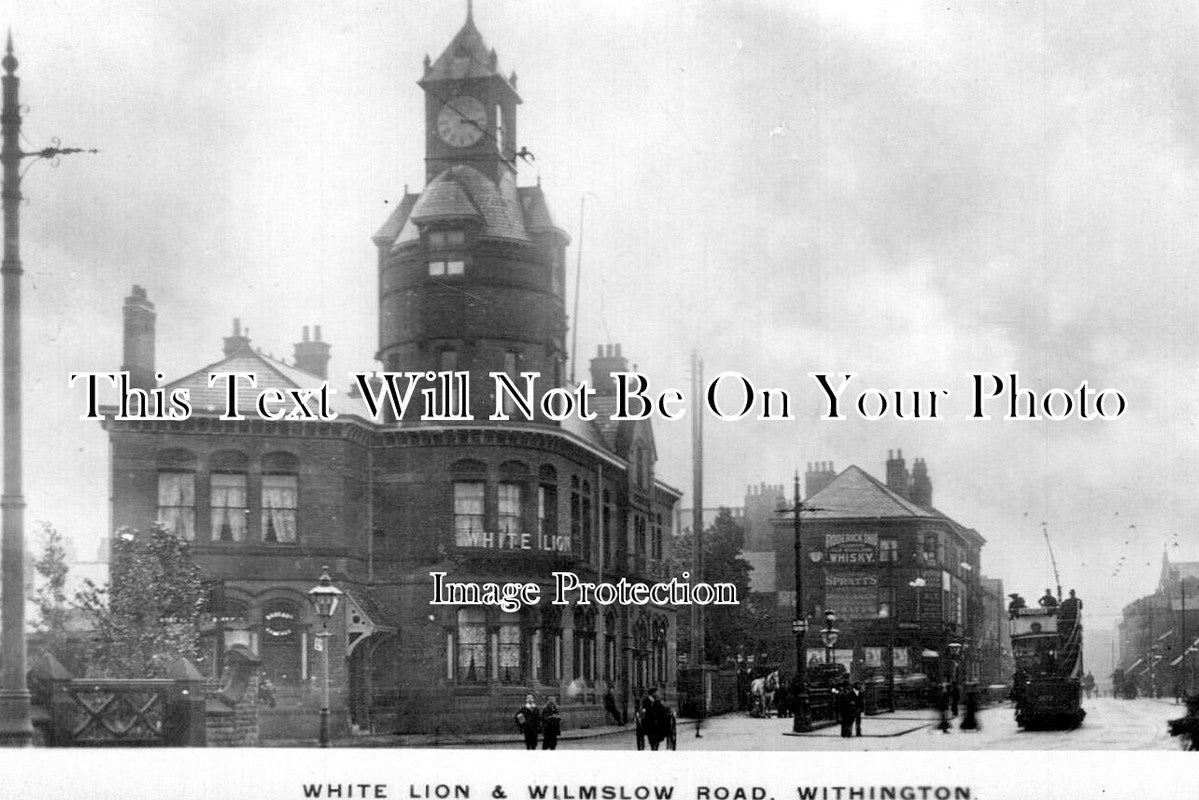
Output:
(851, 548)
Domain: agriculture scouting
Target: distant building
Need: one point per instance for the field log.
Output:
(902, 578)
(1158, 633)
(994, 639)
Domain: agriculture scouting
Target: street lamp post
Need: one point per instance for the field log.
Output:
(16, 728)
(801, 722)
(324, 598)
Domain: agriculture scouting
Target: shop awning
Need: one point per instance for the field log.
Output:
(928, 654)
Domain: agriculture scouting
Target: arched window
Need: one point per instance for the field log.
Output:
(510, 496)
(587, 527)
(551, 645)
(576, 517)
(280, 497)
(177, 492)
(469, 493)
(472, 645)
(606, 533)
(661, 629)
(610, 647)
(584, 643)
(547, 508)
(508, 647)
(227, 499)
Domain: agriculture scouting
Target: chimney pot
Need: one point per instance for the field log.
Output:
(304, 335)
(617, 349)
(317, 332)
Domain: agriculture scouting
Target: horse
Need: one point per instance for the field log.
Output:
(763, 690)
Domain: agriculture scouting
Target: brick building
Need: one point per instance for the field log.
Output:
(1158, 634)
(900, 575)
(471, 279)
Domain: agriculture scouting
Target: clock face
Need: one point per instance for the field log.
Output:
(462, 121)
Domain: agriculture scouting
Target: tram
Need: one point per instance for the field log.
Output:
(1047, 645)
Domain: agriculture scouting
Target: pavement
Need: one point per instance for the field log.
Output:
(1110, 724)
(475, 740)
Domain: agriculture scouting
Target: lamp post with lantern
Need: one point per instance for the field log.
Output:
(325, 598)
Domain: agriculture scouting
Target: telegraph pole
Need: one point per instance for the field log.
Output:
(697, 535)
(16, 728)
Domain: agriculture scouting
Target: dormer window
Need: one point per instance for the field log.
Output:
(447, 238)
(446, 264)
(499, 128)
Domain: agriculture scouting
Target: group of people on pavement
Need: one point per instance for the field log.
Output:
(849, 702)
(534, 722)
(545, 724)
(948, 700)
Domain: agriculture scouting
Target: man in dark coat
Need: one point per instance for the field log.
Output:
(551, 725)
(859, 707)
(655, 719)
(528, 719)
(846, 710)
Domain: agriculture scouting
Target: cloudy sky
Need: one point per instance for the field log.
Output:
(908, 192)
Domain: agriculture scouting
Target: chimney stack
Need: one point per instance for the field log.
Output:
(922, 487)
(607, 360)
(313, 355)
(237, 341)
(139, 340)
(898, 479)
(818, 476)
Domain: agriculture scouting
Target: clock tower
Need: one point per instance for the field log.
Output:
(472, 268)
(470, 108)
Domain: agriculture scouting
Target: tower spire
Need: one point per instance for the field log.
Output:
(470, 10)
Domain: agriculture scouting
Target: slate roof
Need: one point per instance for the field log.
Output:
(537, 213)
(466, 56)
(462, 192)
(855, 494)
(395, 223)
(270, 373)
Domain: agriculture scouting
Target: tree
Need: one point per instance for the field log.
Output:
(725, 627)
(50, 594)
(150, 610)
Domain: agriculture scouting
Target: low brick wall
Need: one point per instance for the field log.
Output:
(231, 709)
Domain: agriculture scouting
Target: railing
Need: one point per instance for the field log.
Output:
(106, 712)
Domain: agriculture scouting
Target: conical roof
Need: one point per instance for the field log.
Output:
(466, 56)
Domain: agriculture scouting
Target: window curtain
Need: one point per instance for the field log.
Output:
(472, 645)
(279, 508)
(468, 514)
(177, 503)
(228, 508)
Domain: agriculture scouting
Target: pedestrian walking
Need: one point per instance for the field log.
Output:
(528, 719)
(846, 708)
(942, 701)
(859, 707)
(654, 718)
(610, 707)
(551, 725)
(970, 721)
(955, 698)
